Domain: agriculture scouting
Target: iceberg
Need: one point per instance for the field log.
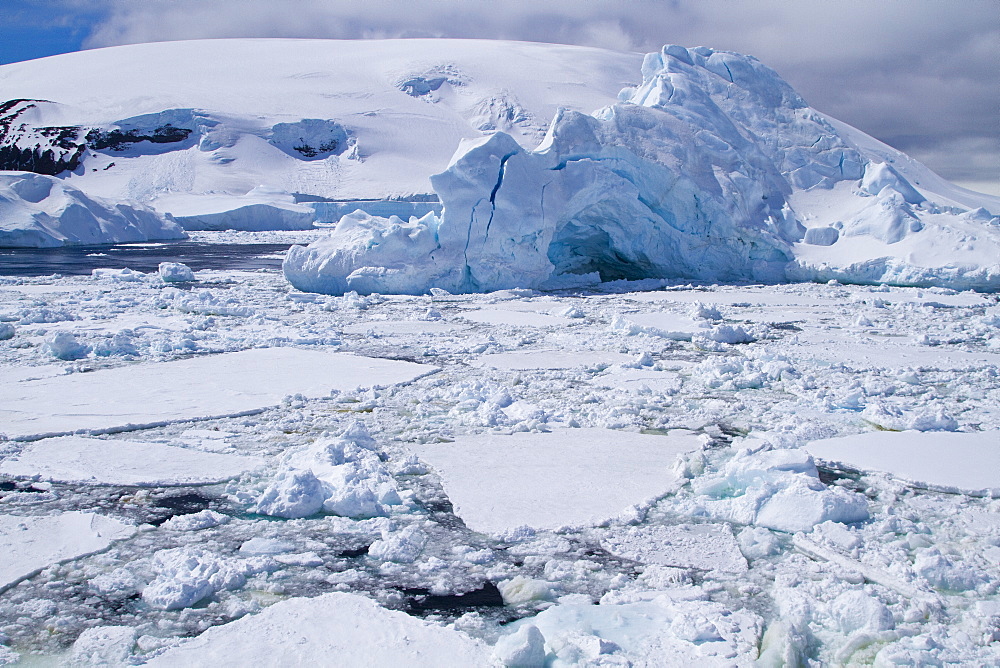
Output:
(713, 169)
(38, 211)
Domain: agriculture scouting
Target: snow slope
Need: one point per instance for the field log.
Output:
(329, 118)
(713, 169)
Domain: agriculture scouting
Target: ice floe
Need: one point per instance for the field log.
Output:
(701, 546)
(516, 318)
(34, 542)
(403, 327)
(229, 384)
(549, 480)
(548, 359)
(958, 461)
(349, 628)
(76, 459)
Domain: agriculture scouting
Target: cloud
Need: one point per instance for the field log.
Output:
(919, 74)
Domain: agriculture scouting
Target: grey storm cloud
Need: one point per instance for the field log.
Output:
(921, 75)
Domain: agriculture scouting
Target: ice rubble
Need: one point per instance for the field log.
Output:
(712, 169)
(38, 211)
(341, 475)
(916, 580)
(675, 628)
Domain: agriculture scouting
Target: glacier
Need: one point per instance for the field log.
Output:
(713, 169)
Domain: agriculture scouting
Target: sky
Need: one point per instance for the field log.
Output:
(921, 75)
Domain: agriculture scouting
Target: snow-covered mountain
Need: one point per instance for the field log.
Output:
(325, 118)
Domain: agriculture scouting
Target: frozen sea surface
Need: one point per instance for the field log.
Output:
(548, 480)
(569, 486)
(199, 387)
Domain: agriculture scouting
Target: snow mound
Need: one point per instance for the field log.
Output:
(712, 169)
(38, 211)
(341, 475)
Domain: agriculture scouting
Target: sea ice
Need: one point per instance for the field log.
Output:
(525, 360)
(959, 461)
(342, 475)
(776, 489)
(186, 575)
(229, 384)
(403, 327)
(34, 542)
(701, 546)
(664, 631)
(637, 380)
(175, 272)
(76, 459)
(549, 480)
(104, 646)
(310, 631)
(668, 325)
(515, 318)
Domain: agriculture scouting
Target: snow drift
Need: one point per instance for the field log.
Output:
(712, 169)
(38, 211)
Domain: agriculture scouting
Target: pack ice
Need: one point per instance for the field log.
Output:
(713, 168)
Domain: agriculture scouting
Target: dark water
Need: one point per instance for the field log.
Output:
(81, 260)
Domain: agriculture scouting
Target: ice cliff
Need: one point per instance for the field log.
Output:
(712, 169)
(38, 211)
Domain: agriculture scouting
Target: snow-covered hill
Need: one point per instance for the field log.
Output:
(328, 118)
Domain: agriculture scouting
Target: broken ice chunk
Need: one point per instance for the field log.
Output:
(402, 547)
